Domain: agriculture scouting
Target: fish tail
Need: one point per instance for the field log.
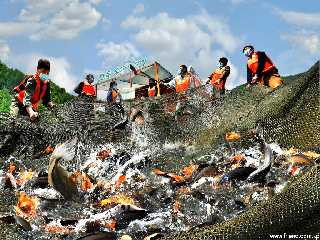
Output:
(65, 150)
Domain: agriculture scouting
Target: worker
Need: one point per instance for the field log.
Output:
(182, 80)
(152, 89)
(219, 77)
(86, 87)
(260, 69)
(113, 95)
(31, 91)
(114, 98)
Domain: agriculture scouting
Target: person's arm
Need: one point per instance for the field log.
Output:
(226, 74)
(47, 96)
(109, 96)
(78, 89)
(249, 75)
(262, 57)
(30, 88)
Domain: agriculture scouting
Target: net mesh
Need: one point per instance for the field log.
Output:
(289, 116)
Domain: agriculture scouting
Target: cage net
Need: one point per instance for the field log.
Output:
(289, 116)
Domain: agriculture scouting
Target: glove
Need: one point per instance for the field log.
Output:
(32, 114)
(51, 105)
(254, 79)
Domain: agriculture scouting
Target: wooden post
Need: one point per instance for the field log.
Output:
(130, 80)
(156, 76)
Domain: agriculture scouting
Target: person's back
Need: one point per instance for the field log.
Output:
(219, 77)
(113, 95)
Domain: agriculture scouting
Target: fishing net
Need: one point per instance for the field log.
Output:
(293, 122)
(289, 116)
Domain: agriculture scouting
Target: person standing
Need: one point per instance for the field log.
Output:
(219, 77)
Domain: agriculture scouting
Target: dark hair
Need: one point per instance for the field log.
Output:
(247, 46)
(112, 83)
(90, 77)
(223, 60)
(184, 67)
(43, 64)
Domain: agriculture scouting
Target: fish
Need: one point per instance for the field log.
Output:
(134, 113)
(154, 236)
(262, 171)
(209, 171)
(99, 236)
(58, 177)
(232, 137)
(129, 213)
(120, 125)
(238, 174)
(10, 219)
(41, 181)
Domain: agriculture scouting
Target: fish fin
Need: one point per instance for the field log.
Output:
(65, 150)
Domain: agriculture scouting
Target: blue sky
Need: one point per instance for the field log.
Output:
(81, 36)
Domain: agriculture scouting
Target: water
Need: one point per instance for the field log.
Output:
(165, 141)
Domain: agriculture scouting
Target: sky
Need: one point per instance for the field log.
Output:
(92, 36)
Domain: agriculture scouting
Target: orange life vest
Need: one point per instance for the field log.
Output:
(114, 95)
(183, 84)
(152, 91)
(215, 77)
(88, 89)
(253, 63)
(38, 93)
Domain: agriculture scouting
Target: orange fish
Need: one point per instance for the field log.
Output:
(104, 154)
(117, 199)
(176, 178)
(295, 170)
(176, 207)
(48, 150)
(86, 184)
(120, 180)
(188, 171)
(56, 228)
(24, 176)
(237, 158)
(301, 160)
(232, 137)
(312, 155)
(184, 190)
(75, 177)
(26, 206)
(157, 171)
(111, 225)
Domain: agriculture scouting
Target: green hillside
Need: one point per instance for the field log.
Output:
(9, 78)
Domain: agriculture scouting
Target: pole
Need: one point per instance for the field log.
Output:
(156, 76)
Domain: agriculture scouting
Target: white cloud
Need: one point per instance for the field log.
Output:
(11, 29)
(95, 2)
(115, 54)
(4, 51)
(306, 37)
(198, 40)
(139, 8)
(69, 22)
(301, 19)
(60, 68)
(307, 41)
(53, 19)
